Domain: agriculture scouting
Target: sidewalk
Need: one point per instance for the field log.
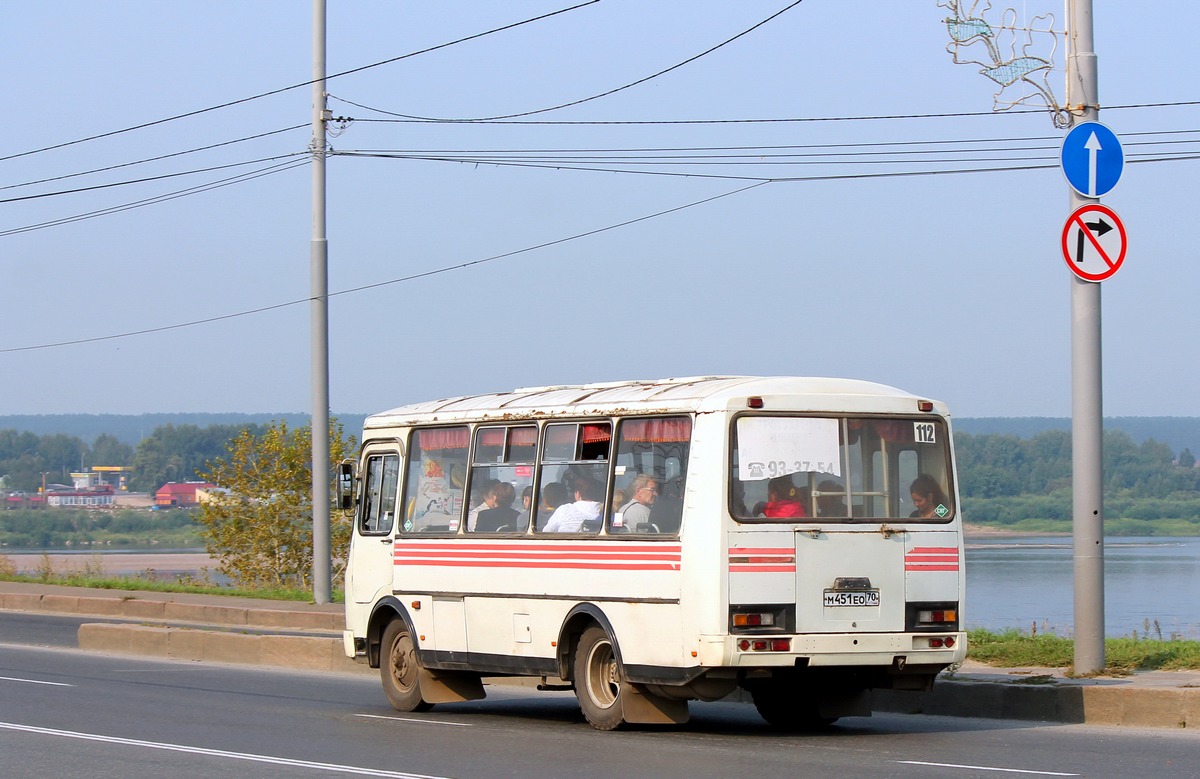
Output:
(307, 636)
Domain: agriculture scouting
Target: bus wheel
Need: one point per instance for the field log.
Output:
(399, 670)
(785, 709)
(598, 682)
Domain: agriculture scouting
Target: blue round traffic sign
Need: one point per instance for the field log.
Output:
(1092, 159)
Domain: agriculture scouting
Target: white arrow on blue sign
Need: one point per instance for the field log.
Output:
(1092, 159)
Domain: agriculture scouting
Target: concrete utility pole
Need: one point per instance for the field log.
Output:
(1087, 431)
(319, 272)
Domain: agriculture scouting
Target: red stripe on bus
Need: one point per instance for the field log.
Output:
(615, 566)
(934, 550)
(762, 569)
(623, 548)
(539, 555)
(772, 550)
(763, 559)
(926, 567)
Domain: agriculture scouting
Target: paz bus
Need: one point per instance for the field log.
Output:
(650, 543)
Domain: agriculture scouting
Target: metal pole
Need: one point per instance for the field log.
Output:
(319, 272)
(1087, 425)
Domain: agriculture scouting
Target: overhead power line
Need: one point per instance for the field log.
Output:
(146, 179)
(159, 158)
(615, 90)
(767, 120)
(220, 183)
(298, 86)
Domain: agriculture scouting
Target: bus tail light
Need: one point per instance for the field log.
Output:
(936, 616)
(765, 645)
(931, 617)
(938, 643)
(754, 620)
(762, 618)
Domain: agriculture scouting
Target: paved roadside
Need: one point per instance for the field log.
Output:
(307, 636)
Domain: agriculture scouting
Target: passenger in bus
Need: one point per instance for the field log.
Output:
(487, 488)
(502, 516)
(571, 517)
(526, 508)
(783, 499)
(927, 497)
(831, 499)
(554, 495)
(667, 512)
(643, 490)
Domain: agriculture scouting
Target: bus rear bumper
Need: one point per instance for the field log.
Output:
(893, 650)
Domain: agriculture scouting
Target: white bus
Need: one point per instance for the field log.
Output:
(647, 543)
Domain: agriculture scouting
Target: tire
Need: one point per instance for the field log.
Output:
(398, 669)
(599, 682)
(786, 707)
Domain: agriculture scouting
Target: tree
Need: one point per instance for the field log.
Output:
(1187, 459)
(179, 453)
(260, 527)
(107, 450)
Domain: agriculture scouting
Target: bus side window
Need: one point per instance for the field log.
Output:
(379, 499)
(436, 472)
(651, 469)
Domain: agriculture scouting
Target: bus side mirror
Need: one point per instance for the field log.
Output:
(345, 485)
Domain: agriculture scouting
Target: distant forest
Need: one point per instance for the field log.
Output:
(1178, 433)
(1014, 473)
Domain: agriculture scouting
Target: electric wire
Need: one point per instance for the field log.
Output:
(768, 120)
(399, 280)
(615, 90)
(159, 158)
(310, 82)
(496, 257)
(146, 179)
(218, 184)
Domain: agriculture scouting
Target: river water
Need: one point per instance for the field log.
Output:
(1022, 581)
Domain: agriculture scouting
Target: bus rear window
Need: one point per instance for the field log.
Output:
(806, 468)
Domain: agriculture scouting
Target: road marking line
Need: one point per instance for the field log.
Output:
(33, 681)
(345, 769)
(985, 768)
(413, 719)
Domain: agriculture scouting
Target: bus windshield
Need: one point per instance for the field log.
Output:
(802, 468)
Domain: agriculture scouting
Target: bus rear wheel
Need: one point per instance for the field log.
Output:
(598, 680)
(399, 670)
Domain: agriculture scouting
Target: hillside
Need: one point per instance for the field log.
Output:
(1178, 433)
(132, 428)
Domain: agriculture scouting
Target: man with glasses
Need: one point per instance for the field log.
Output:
(636, 512)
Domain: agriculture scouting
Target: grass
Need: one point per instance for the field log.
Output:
(90, 573)
(1014, 649)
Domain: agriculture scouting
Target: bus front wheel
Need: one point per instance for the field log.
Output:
(598, 680)
(399, 670)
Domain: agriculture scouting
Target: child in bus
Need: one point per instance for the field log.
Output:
(783, 499)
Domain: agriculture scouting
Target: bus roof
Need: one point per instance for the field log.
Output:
(677, 395)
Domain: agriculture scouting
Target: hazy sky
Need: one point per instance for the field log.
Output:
(951, 286)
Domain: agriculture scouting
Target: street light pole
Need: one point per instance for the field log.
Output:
(319, 273)
(1087, 418)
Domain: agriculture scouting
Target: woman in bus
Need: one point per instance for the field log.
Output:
(927, 497)
(783, 499)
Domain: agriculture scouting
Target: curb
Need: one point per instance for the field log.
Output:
(212, 632)
(311, 653)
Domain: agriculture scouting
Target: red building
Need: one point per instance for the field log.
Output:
(179, 494)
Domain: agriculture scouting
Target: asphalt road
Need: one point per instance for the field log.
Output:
(69, 714)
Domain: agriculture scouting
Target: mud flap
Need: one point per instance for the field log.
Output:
(639, 706)
(450, 686)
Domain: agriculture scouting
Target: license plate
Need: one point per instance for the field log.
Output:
(851, 598)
